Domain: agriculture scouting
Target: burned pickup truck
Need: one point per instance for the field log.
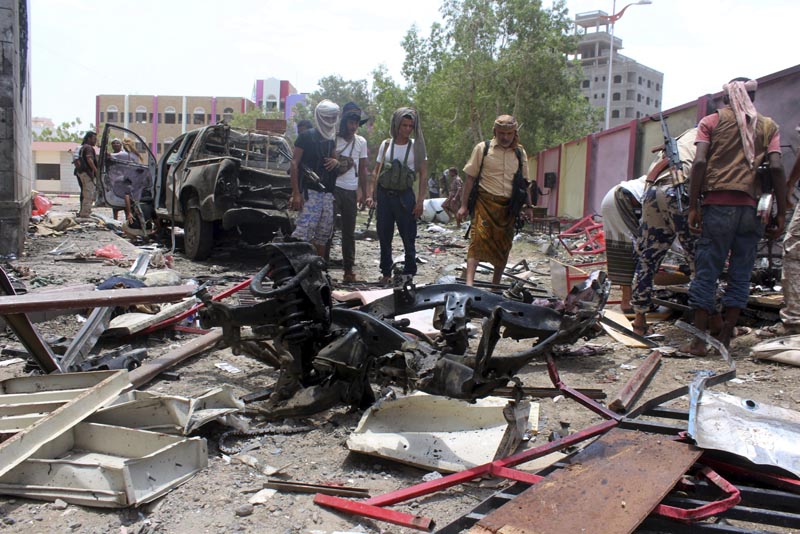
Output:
(212, 181)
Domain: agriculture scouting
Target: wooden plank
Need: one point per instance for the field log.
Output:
(93, 299)
(131, 323)
(152, 368)
(611, 486)
(620, 319)
(24, 444)
(638, 381)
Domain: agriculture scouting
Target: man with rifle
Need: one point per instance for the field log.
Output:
(495, 193)
(723, 200)
(663, 219)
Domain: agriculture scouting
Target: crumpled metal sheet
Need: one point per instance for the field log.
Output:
(763, 433)
(782, 349)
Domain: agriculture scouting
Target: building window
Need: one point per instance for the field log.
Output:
(227, 113)
(102, 117)
(638, 98)
(615, 114)
(618, 78)
(604, 78)
(168, 143)
(640, 80)
(584, 84)
(199, 116)
(638, 114)
(595, 96)
(615, 96)
(169, 115)
(657, 104)
(595, 78)
(112, 114)
(48, 171)
(658, 86)
(603, 95)
(647, 101)
(141, 114)
(648, 84)
(630, 94)
(631, 77)
(628, 113)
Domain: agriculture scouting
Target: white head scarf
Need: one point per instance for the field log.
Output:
(745, 113)
(326, 118)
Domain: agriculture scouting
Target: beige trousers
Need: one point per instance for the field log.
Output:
(89, 193)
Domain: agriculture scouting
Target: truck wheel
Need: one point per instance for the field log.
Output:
(198, 235)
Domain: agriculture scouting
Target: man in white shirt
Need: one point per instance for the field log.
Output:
(351, 184)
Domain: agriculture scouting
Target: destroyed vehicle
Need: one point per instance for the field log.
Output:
(212, 182)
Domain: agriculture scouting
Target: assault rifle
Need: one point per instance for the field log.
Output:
(674, 159)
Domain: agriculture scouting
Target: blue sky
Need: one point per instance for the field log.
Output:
(82, 48)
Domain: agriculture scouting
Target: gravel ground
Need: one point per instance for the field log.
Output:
(216, 499)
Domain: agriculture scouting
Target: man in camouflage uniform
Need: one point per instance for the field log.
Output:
(662, 222)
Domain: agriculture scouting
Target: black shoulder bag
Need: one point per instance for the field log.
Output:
(473, 194)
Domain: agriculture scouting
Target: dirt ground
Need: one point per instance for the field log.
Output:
(215, 500)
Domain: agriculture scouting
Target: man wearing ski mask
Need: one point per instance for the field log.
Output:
(313, 173)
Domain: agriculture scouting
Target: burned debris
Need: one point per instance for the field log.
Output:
(329, 355)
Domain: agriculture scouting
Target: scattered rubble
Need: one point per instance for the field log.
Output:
(294, 360)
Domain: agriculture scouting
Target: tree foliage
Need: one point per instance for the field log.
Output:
(67, 131)
(247, 120)
(379, 103)
(491, 57)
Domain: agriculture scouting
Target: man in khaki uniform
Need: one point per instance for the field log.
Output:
(492, 228)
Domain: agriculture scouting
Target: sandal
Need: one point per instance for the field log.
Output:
(349, 278)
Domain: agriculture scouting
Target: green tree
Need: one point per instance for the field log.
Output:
(494, 57)
(247, 120)
(336, 89)
(67, 131)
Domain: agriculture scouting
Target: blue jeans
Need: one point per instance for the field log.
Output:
(396, 207)
(726, 229)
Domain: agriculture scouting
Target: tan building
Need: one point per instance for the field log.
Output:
(159, 119)
(53, 171)
(636, 90)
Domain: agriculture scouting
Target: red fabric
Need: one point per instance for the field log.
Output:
(729, 198)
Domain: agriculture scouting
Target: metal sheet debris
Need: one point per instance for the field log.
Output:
(23, 444)
(107, 466)
(615, 482)
(782, 350)
(144, 410)
(434, 432)
(763, 433)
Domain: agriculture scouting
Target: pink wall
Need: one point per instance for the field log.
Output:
(611, 163)
(549, 161)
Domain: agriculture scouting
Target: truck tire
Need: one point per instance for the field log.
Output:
(198, 238)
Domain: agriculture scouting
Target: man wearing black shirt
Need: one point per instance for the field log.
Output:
(313, 174)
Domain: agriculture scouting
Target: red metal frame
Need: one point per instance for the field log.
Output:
(374, 507)
(191, 311)
(586, 228)
(707, 510)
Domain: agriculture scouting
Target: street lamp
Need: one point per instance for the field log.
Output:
(614, 17)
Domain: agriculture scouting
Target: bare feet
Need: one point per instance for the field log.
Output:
(694, 348)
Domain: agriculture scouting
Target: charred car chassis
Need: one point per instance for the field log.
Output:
(330, 354)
